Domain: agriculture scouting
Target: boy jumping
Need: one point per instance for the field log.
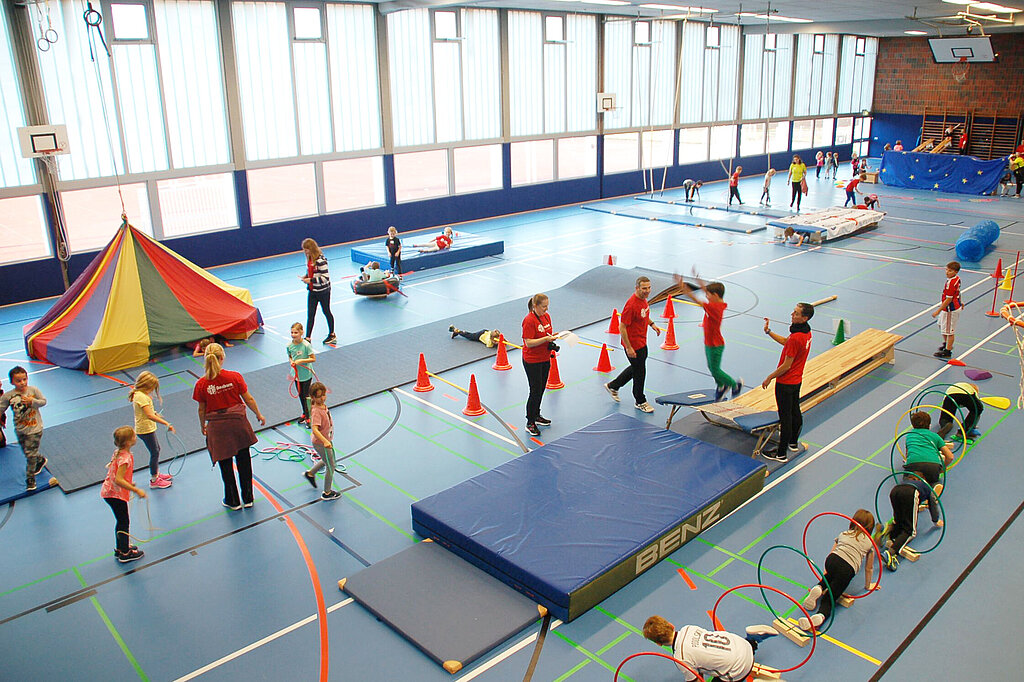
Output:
(714, 344)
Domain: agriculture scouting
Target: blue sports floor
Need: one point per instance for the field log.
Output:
(253, 595)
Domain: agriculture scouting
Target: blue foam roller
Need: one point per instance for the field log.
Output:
(969, 248)
(987, 231)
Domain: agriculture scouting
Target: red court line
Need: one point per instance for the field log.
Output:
(321, 607)
(536, 441)
(686, 578)
(107, 376)
(717, 624)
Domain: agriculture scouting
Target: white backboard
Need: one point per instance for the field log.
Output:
(40, 140)
(950, 50)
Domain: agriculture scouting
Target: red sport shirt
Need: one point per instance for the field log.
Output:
(798, 346)
(636, 316)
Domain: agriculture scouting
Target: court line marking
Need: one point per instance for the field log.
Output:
(490, 663)
(260, 642)
(458, 417)
(842, 645)
(932, 308)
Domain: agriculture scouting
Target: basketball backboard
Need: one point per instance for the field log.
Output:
(951, 50)
(39, 141)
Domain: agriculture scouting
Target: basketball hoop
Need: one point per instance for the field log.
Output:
(1013, 313)
(960, 69)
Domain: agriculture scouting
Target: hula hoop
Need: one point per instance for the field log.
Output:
(298, 452)
(942, 509)
(920, 396)
(1006, 313)
(832, 597)
(655, 653)
(179, 452)
(814, 633)
(892, 462)
(874, 544)
(963, 433)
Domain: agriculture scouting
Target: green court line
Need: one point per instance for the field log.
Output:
(35, 582)
(371, 511)
(252, 347)
(384, 480)
(887, 381)
(628, 626)
(707, 578)
(590, 655)
(174, 374)
(751, 563)
(113, 631)
(861, 274)
(849, 456)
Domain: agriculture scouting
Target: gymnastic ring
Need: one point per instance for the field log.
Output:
(814, 633)
(874, 544)
(942, 509)
(963, 433)
(892, 462)
(92, 17)
(832, 597)
(656, 653)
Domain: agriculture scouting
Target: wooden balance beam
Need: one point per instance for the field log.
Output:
(924, 145)
(938, 149)
(824, 376)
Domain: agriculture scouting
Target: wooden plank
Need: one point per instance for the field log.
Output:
(792, 633)
(909, 554)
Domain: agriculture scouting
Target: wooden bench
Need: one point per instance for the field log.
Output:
(824, 376)
(924, 145)
(940, 147)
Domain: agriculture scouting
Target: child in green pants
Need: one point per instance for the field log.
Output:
(714, 344)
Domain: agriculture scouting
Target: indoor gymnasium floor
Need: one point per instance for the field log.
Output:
(253, 594)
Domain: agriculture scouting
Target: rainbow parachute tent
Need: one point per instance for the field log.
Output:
(137, 298)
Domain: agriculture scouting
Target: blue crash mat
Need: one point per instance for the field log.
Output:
(718, 220)
(571, 522)
(465, 247)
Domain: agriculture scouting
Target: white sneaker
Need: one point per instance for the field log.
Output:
(816, 620)
(811, 600)
(613, 392)
(645, 407)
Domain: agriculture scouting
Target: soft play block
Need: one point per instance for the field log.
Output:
(465, 247)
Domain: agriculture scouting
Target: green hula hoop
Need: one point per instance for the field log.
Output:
(942, 509)
(832, 614)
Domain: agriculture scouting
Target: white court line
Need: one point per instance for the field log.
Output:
(929, 310)
(257, 644)
(897, 259)
(526, 641)
(459, 417)
(40, 371)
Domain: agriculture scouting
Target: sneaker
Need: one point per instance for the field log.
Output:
(454, 331)
(614, 394)
(944, 430)
(798, 449)
(882, 531)
(331, 339)
(759, 633)
(532, 429)
(890, 559)
(542, 421)
(944, 353)
(644, 407)
(310, 478)
(39, 466)
(130, 555)
(942, 347)
(303, 420)
(720, 393)
(816, 620)
(30, 484)
(974, 433)
(166, 477)
(232, 508)
(330, 495)
(247, 505)
(775, 456)
(737, 388)
(159, 483)
(938, 489)
(811, 600)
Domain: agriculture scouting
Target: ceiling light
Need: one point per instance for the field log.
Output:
(958, 2)
(671, 8)
(774, 17)
(604, 2)
(993, 7)
(916, 33)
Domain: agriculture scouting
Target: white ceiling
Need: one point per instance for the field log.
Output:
(860, 17)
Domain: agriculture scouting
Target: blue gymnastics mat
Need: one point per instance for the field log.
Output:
(711, 206)
(465, 247)
(451, 610)
(718, 220)
(573, 521)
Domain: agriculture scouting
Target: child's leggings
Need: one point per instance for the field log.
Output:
(120, 509)
(766, 196)
(850, 196)
(798, 194)
(327, 461)
(904, 499)
(734, 192)
(153, 445)
(838, 574)
(396, 265)
(714, 356)
(304, 395)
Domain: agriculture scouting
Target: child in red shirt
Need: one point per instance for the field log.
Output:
(734, 181)
(438, 243)
(948, 311)
(714, 344)
(117, 489)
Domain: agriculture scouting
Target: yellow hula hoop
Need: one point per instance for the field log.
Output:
(915, 408)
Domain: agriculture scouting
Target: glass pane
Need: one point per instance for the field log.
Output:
(421, 175)
(693, 145)
(553, 29)
(201, 203)
(723, 142)
(642, 32)
(656, 148)
(844, 130)
(93, 216)
(819, 43)
(751, 139)
(823, 132)
(802, 134)
(353, 183)
(129, 22)
(477, 168)
(712, 36)
(445, 25)
(532, 162)
(281, 193)
(866, 133)
(769, 41)
(307, 23)
(23, 229)
(778, 136)
(577, 157)
(621, 153)
(858, 124)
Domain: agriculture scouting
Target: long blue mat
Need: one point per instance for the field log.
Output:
(735, 222)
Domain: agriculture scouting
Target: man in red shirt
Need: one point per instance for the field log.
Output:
(635, 319)
(788, 377)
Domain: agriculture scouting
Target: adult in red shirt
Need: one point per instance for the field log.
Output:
(788, 376)
(635, 319)
(222, 396)
(538, 334)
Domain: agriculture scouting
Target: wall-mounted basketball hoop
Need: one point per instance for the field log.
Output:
(960, 69)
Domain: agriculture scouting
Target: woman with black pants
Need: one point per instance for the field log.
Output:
(318, 281)
(538, 335)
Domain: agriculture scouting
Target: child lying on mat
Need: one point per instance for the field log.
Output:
(487, 337)
(439, 243)
(726, 656)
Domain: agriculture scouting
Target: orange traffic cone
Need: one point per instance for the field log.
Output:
(613, 326)
(999, 270)
(422, 379)
(473, 408)
(670, 311)
(501, 363)
(611, 260)
(670, 338)
(604, 363)
(554, 381)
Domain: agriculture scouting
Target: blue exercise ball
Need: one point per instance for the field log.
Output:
(969, 248)
(987, 231)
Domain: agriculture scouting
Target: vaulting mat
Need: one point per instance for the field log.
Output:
(718, 220)
(12, 475)
(573, 521)
(465, 247)
(680, 200)
(448, 608)
(79, 450)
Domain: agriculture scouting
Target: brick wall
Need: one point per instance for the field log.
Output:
(907, 79)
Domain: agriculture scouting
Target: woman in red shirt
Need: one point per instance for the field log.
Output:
(538, 334)
(222, 396)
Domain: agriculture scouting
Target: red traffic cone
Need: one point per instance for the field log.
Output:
(604, 363)
(613, 326)
(501, 363)
(422, 379)
(670, 338)
(670, 311)
(611, 260)
(999, 270)
(473, 408)
(554, 381)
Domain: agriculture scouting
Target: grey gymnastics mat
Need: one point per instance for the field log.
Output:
(448, 608)
(78, 451)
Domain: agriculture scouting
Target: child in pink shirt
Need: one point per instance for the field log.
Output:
(117, 489)
(322, 427)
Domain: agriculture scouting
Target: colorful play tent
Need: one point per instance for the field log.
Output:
(137, 298)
